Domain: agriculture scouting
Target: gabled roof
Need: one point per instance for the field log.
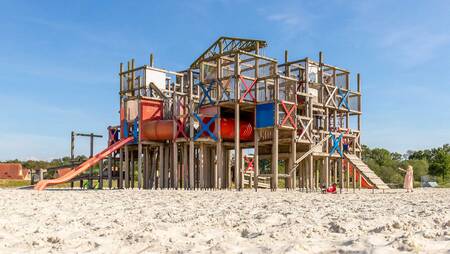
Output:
(229, 44)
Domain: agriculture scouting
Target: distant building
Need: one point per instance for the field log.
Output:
(13, 171)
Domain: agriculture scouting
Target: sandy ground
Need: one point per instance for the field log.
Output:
(133, 221)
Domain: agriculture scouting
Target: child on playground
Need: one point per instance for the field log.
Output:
(331, 189)
(409, 178)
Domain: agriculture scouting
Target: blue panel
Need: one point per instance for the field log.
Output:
(265, 115)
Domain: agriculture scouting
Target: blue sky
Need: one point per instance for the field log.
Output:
(59, 60)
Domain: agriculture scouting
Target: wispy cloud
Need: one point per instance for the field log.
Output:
(287, 19)
(293, 19)
(414, 45)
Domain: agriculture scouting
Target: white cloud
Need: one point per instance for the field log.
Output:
(414, 45)
(287, 19)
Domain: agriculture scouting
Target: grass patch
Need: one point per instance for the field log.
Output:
(9, 183)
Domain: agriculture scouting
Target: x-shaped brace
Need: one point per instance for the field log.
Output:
(288, 114)
(206, 94)
(305, 130)
(181, 124)
(249, 164)
(344, 99)
(225, 94)
(330, 96)
(336, 144)
(205, 127)
(248, 89)
(112, 135)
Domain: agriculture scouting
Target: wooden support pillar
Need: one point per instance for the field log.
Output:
(341, 174)
(229, 168)
(175, 165)
(91, 170)
(110, 172)
(127, 167)
(100, 174)
(218, 165)
(161, 166)
(241, 169)
(214, 165)
(184, 169)
(132, 169)
(347, 164)
(354, 178)
(275, 136)
(201, 162)
(146, 168)
(139, 166)
(237, 121)
(166, 166)
(311, 173)
(121, 168)
(256, 157)
(292, 159)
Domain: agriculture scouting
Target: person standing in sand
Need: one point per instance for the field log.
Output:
(409, 178)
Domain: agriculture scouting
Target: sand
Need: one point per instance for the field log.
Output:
(133, 221)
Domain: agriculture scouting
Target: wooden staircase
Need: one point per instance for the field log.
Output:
(366, 171)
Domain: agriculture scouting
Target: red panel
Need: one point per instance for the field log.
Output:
(150, 110)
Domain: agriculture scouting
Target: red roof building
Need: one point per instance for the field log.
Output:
(13, 171)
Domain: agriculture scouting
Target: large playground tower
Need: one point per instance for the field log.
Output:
(237, 118)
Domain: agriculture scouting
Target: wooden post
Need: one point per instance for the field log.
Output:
(100, 174)
(146, 168)
(151, 60)
(237, 122)
(191, 183)
(127, 167)
(91, 154)
(161, 166)
(229, 164)
(341, 174)
(184, 169)
(358, 77)
(256, 157)
(166, 166)
(201, 162)
(110, 171)
(132, 169)
(174, 174)
(275, 137)
(121, 163)
(255, 130)
(153, 156)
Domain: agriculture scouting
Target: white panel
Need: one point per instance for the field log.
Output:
(132, 110)
(156, 77)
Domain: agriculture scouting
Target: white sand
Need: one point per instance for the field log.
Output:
(132, 221)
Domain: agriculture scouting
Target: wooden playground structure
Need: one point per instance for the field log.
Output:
(237, 119)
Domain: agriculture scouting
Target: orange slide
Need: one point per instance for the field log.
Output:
(41, 185)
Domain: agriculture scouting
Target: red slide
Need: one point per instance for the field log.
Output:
(41, 185)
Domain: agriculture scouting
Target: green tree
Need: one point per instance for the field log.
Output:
(440, 164)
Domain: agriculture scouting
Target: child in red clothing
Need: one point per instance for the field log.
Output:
(332, 189)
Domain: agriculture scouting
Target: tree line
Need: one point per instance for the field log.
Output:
(434, 162)
(42, 164)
